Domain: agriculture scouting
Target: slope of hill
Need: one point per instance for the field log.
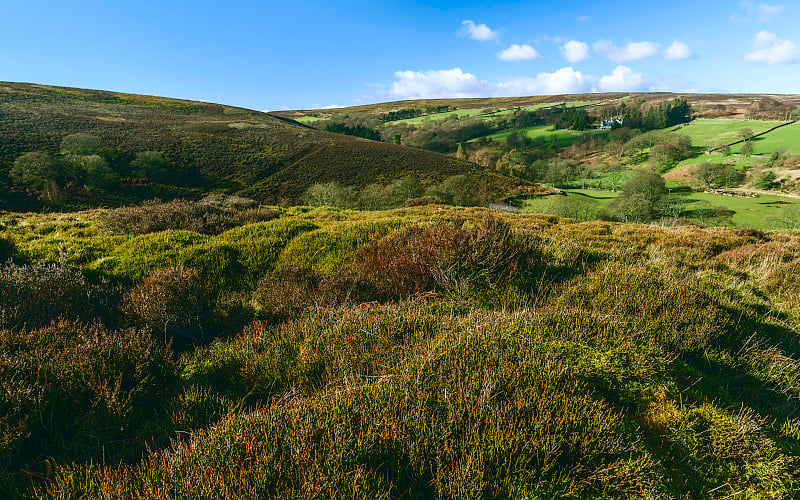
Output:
(216, 147)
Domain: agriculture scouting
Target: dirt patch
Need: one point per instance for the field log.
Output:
(684, 173)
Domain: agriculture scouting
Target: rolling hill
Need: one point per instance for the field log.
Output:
(217, 148)
(739, 105)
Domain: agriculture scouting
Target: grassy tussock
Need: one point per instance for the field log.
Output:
(75, 393)
(426, 352)
(207, 216)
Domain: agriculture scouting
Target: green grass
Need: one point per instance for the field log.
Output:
(705, 131)
(309, 119)
(435, 117)
(421, 121)
(748, 212)
(787, 138)
(564, 137)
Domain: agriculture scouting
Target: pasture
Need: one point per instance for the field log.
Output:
(714, 132)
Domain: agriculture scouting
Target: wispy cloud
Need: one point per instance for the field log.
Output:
(516, 53)
(756, 11)
(479, 32)
(769, 49)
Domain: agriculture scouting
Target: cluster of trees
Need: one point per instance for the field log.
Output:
(356, 130)
(716, 175)
(454, 190)
(574, 119)
(83, 160)
(403, 114)
(643, 198)
(658, 116)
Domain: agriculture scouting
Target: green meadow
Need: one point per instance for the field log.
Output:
(758, 213)
(785, 138)
(704, 131)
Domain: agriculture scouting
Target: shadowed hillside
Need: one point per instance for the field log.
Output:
(208, 147)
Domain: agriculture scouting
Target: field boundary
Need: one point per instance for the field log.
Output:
(754, 136)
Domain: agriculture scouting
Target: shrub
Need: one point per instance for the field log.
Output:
(74, 393)
(447, 256)
(81, 144)
(641, 199)
(680, 312)
(34, 170)
(6, 250)
(483, 410)
(209, 216)
(423, 200)
(36, 294)
(151, 164)
(285, 291)
(329, 194)
(457, 190)
(171, 302)
(98, 173)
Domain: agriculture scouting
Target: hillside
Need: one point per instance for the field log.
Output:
(729, 104)
(208, 147)
(432, 352)
(723, 158)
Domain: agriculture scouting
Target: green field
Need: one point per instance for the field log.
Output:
(748, 212)
(707, 131)
(479, 112)
(787, 137)
(309, 119)
(564, 137)
(435, 117)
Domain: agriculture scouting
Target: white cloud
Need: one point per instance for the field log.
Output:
(769, 49)
(678, 51)
(622, 79)
(563, 81)
(760, 12)
(456, 83)
(331, 106)
(630, 52)
(575, 51)
(479, 32)
(437, 84)
(518, 53)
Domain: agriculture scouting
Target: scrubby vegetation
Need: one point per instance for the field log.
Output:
(427, 352)
(377, 343)
(212, 215)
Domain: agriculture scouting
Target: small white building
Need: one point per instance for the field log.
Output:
(609, 124)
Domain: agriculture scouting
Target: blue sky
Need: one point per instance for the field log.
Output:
(301, 54)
